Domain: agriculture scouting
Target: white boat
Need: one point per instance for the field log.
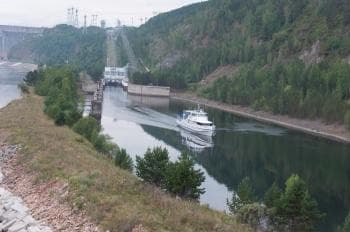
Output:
(125, 83)
(196, 121)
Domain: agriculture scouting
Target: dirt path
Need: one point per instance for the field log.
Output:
(336, 132)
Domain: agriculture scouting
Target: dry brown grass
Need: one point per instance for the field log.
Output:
(114, 199)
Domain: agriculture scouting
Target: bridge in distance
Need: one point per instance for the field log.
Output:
(12, 35)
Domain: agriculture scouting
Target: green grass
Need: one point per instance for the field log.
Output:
(114, 199)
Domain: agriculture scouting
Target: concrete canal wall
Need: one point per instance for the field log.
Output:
(149, 90)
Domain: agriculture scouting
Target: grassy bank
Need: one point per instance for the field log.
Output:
(114, 199)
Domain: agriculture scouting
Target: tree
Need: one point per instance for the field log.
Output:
(123, 160)
(346, 226)
(152, 167)
(245, 195)
(297, 209)
(272, 196)
(183, 180)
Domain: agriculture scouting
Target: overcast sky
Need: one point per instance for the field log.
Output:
(52, 12)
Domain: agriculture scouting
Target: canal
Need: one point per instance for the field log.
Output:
(10, 77)
(241, 148)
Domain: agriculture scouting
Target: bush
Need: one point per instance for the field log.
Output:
(253, 214)
(245, 195)
(31, 78)
(183, 180)
(86, 127)
(346, 226)
(123, 160)
(153, 166)
(90, 129)
(102, 144)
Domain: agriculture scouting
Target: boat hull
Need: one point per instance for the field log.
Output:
(207, 130)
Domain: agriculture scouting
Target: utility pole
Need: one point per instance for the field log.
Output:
(76, 21)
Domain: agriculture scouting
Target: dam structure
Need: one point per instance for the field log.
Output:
(10, 36)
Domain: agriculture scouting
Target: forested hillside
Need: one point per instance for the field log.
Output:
(293, 55)
(67, 45)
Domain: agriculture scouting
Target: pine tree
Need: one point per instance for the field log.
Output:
(272, 196)
(346, 226)
(152, 167)
(245, 195)
(297, 209)
(123, 160)
(183, 180)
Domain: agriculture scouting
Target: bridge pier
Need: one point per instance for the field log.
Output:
(2, 46)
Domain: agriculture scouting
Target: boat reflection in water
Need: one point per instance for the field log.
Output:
(196, 142)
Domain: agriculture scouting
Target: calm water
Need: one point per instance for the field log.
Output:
(11, 74)
(240, 148)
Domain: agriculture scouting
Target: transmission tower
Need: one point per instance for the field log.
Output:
(73, 17)
(94, 20)
(76, 19)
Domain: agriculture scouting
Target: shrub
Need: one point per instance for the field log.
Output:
(123, 160)
(31, 78)
(102, 144)
(86, 127)
(152, 167)
(89, 128)
(253, 214)
(183, 180)
(346, 226)
(245, 195)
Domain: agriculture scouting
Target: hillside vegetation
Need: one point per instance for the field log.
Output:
(63, 44)
(293, 56)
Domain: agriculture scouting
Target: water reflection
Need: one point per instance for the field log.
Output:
(195, 142)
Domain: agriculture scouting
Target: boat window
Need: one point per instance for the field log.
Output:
(204, 124)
